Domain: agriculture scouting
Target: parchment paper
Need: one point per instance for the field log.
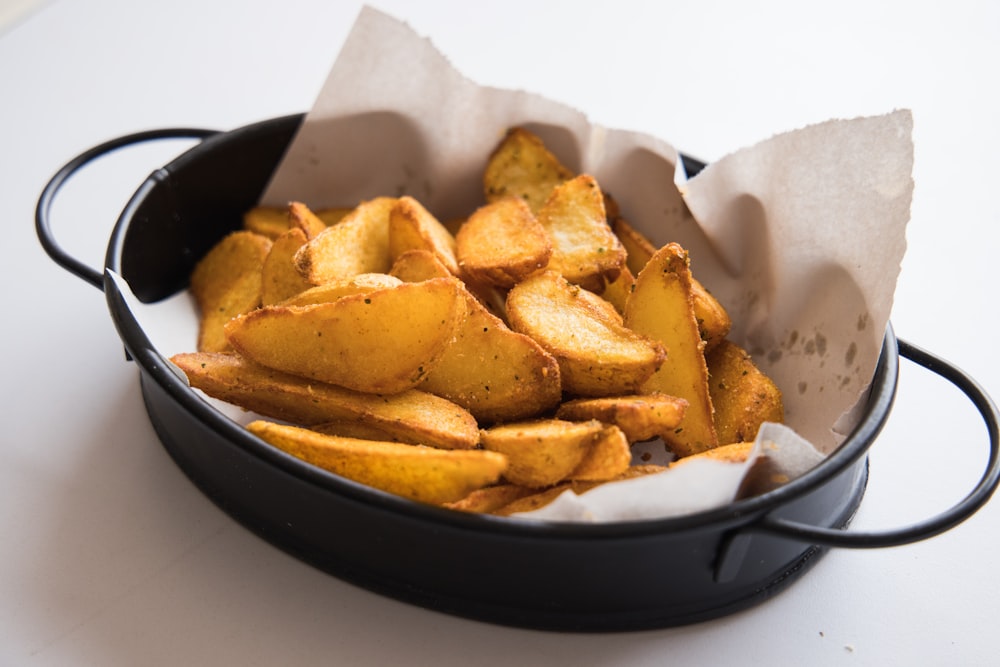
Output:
(800, 236)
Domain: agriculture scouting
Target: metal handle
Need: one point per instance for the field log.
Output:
(948, 519)
(45, 200)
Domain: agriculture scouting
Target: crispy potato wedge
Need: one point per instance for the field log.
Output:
(302, 217)
(597, 355)
(522, 166)
(743, 396)
(415, 265)
(660, 307)
(736, 452)
(412, 416)
(363, 283)
(420, 473)
(491, 498)
(280, 279)
(268, 221)
(616, 292)
(359, 243)
(584, 249)
(541, 452)
(714, 322)
(228, 282)
(412, 227)
(502, 243)
(609, 457)
(641, 417)
(495, 373)
(384, 341)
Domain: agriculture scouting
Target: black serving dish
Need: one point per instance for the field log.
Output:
(555, 576)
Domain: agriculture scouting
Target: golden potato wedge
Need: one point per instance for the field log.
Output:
(359, 243)
(641, 417)
(412, 416)
(616, 292)
(415, 265)
(412, 227)
(541, 452)
(381, 342)
(597, 355)
(268, 221)
(584, 249)
(495, 373)
(522, 166)
(660, 307)
(420, 473)
(714, 322)
(491, 498)
(608, 458)
(502, 243)
(735, 452)
(301, 217)
(228, 282)
(742, 395)
(280, 279)
(363, 283)
(540, 499)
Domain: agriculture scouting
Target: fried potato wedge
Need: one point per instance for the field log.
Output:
(540, 499)
(522, 166)
(268, 221)
(609, 457)
(640, 417)
(597, 355)
(228, 282)
(616, 292)
(415, 265)
(420, 473)
(660, 307)
(502, 243)
(491, 498)
(735, 452)
(359, 243)
(541, 452)
(584, 249)
(381, 342)
(280, 279)
(495, 373)
(363, 283)
(302, 217)
(412, 416)
(412, 227)
(742, 395)
(714, 322)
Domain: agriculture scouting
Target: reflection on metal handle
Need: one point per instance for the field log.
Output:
(42, 211)
(948, 519)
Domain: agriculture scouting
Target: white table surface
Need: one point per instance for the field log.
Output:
(109, 555)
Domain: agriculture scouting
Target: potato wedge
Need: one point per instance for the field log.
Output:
(302, 217)
(502, 243)
(228, 282)
(495, 373)
(541, 452)
(280, 279)
(420, 473)
(743, 396)
(540, 499)
(491, 498)
(584, 249)
(660, 307)
(641, 417)
(415, 265)
(268, 221)
(597, 355)
(522, 166)
(412, 416)
(359, 243)
(363, 283)
(412, 227)
(616, 292)
(735, 452)
(714, 322)
(609, 457)
(381, 342)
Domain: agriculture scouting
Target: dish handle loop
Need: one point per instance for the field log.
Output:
(833, 537)
(43, 210)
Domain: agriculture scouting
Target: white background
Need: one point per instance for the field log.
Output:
(109, 556)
